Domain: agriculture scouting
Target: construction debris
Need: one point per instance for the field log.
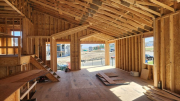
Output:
(156, 94)
(110, 79)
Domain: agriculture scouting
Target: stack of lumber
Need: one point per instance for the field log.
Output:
(156, 94)
(110, 79)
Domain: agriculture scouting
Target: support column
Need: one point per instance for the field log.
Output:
(53, 54)
(107, 61)
(172, 76)
(37, 47)
(28, 92)
(156, 53)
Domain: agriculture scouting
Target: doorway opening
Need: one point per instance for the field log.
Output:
(63, 55)
(92, 54)
(112, 54)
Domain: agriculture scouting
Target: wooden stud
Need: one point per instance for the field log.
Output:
(107, 61)
(156, 53)
(162, 58)
(127, 51)
(172, 53)
(19, 50)
(133, 54)
(136, 61)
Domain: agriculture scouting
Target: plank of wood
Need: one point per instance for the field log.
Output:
(165, 95)
(70, 31)
(116, 78)
(111, 74)
(144, 74)
(172, 81)
(28, 90)
(156, 53)
(162, 57)
(107, 53)
(107, 78)
(8, 89)
(175, 94)
(163, 5)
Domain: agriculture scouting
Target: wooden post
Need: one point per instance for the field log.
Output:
(24, 36)
(124, 52)
(19, 50)
(127, 51)
(17, 95)
(37, 47)
(133, 58)
(171, 53)
(156, 53)
(6, 45)
(117, 54)
(130, 56)
(136, 61)
(140, 52)
(162, 58)
(53, 52)
(28, 92)
(107, 61)
(14, 39)
(34, 89)
(6, 26)
(143, 52)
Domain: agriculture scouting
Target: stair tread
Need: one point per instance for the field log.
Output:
(39, 64)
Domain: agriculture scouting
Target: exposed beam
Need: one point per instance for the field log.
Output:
(88, 35)
(143, 34)
(59, 10)
(119, 5)
(147, 9)
(146, 3)
(70, 31)
(14, 7)
(163, 5)
(39, 36)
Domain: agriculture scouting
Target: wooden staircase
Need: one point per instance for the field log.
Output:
(37, 62)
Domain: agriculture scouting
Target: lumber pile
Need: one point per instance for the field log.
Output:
(156, 94)
(110, 79)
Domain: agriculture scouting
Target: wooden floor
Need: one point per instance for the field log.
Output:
(84, 86)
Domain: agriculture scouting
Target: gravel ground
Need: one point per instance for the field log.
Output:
(87, 56)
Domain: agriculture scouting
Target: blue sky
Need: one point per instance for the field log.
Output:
(86, 46)
(17, 33)
(149, 39)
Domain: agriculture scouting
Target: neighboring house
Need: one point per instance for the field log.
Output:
(62, 50)
(90, 49)
(111, 47)
(148, 44)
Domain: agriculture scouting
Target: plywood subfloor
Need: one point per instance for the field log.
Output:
(84, 86)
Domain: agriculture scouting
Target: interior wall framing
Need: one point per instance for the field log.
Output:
(128, 53)
(167, 52)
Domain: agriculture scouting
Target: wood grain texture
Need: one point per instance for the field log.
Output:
(83, 85)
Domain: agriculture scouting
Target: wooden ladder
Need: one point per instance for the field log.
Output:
(38, 63)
